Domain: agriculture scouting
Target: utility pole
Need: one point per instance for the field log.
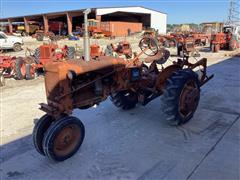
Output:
(233, 13)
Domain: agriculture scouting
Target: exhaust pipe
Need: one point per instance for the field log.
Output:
(86, 42)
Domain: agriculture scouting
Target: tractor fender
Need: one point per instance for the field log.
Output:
(164, 75)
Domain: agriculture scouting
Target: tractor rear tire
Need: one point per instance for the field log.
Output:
(109, 50)
(233, 44)
(63, 138)
(39, 130)
(30, 72)
(36, 55)
(181, 97)
(215, 47)
(179, 49)
(70, 52)
(166, 44)
(40, 36)
(125, 99)
(2, 80)
(20, 69)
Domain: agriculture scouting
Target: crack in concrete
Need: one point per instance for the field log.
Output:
(212, 148)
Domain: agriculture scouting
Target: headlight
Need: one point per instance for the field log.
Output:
(71, 75)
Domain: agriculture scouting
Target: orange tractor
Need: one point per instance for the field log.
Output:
(80, 84)
(229, 39)
(186, 46)
(83, 83)
(123, 48)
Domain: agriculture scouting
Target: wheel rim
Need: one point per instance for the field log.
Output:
(189, 98)
(67, 140)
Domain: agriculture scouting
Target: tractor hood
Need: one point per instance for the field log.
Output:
(57, 80)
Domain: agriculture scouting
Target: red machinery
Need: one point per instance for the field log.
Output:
(40, 34)
(7, 65)
(44, 54)
(186, 46)
(21, 68)
(95, 51)
(201, 39)
(229, 39)
(122, 48)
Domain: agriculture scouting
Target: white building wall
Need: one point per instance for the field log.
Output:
(158, 19)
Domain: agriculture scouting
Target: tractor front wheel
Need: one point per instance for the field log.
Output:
(40, 36)
(20, 69)
(39, 130)
(63, 138)
(233, 44)
(30, 72)
(125, 99)
(70, 54)
(36, 55)
(181, 96)
(215, 47)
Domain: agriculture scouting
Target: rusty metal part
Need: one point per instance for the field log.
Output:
(189, 98)
(161, 57)
(67, 140)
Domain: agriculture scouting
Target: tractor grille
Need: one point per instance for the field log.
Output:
(45, 52)
(52, 85)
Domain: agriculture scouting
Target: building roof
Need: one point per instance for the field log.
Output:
(72, 11)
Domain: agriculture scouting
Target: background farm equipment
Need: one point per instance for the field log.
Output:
(150, 33)
(95, 30)
(229, 39)
(186, 46)
(33, 27)
(40, 34)
(7, 66)
(47, 53)
(168, 40)
(122, 48)
(87, 82)
(58, 28)
(27, 67)
(200, 39)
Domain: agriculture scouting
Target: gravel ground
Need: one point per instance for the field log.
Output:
(136, 144)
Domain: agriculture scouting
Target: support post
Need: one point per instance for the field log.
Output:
(99, 18)
(45, 23)
(26, 24)
(10, 26)
(69, 23)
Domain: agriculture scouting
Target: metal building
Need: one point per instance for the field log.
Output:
(147, 17)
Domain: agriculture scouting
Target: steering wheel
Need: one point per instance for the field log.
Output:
(149, 46)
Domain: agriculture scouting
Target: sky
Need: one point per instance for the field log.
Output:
(179, 11)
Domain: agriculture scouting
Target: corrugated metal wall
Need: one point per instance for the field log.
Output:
(121, 28)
